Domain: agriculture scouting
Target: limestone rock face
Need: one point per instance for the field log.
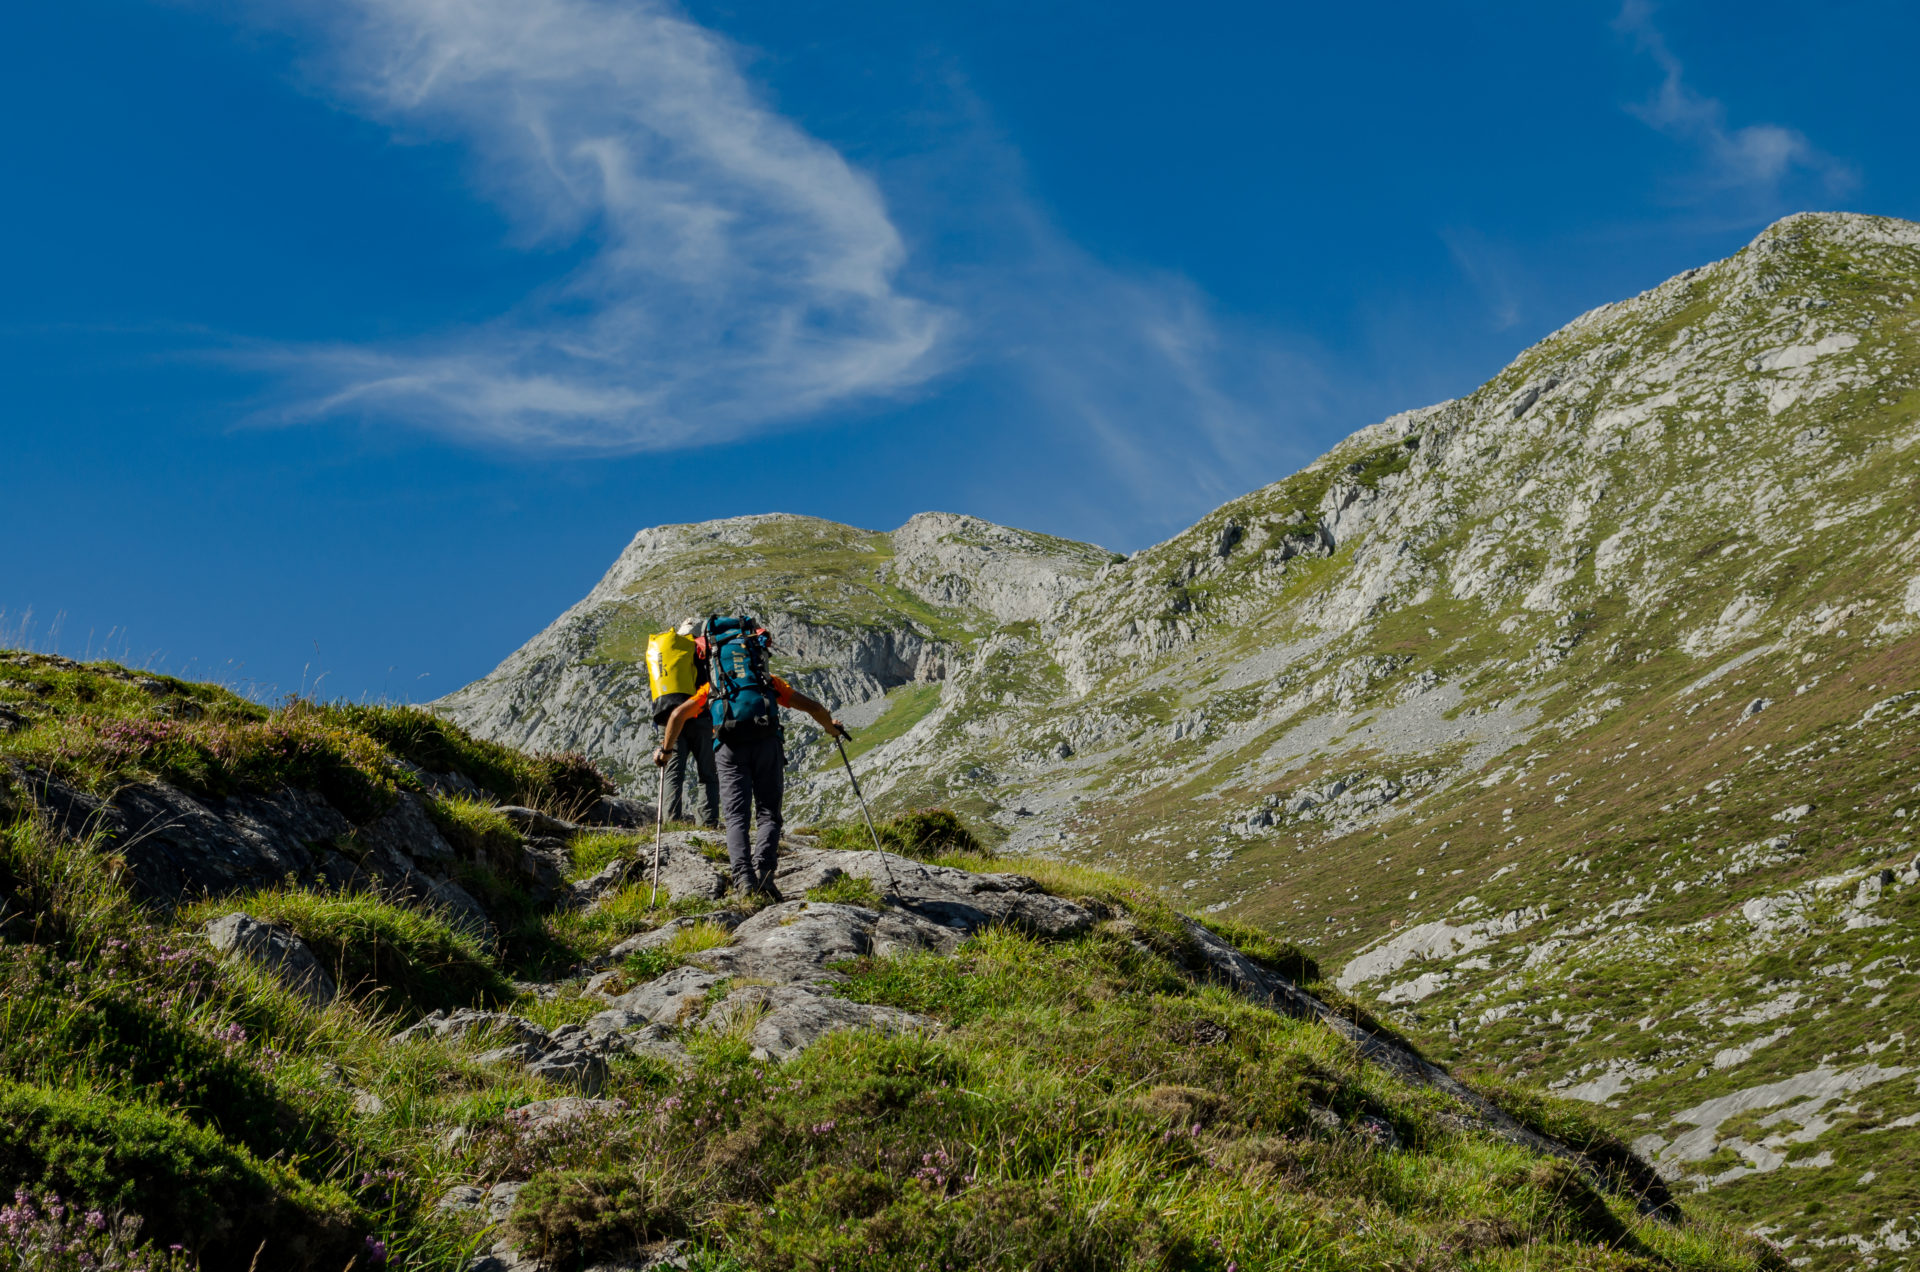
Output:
(853, 614)
(1014, 576)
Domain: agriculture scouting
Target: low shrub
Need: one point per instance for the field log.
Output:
(566, 1218)
(563, 784)
(924, 834)
(45, 1233)
(401, 960)
(192, 1188)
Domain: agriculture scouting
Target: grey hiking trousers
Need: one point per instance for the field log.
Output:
(696, 743)
(752, 781)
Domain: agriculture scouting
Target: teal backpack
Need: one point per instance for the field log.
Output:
(743, 704)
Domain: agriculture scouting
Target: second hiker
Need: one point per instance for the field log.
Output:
(676, 668)
(741, 702)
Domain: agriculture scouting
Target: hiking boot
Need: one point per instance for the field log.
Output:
(771, 893)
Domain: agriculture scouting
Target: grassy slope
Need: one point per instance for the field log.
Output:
(1819, 534)
(1085, 1106)
(832, 575)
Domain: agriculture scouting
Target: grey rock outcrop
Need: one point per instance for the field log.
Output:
(957, 900)
(277, 950)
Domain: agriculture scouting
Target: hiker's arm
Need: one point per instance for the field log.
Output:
(676, 722)
(821, 716)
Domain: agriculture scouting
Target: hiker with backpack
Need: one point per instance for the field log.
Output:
(676, 668)
(741, 702)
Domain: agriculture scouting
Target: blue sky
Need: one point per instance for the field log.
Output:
(354, 338)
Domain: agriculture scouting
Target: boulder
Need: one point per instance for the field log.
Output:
(797, 942)
(462, 1198)
(622, 1032)
(676, 998)
(791, 1018)
(619, 811)
(276, 949)
(531, 821)
(459, 906)
(458, 1024)
(544, 1115)
(404, 835)
(957, 899)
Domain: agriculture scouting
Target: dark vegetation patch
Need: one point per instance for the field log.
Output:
(190, 1186)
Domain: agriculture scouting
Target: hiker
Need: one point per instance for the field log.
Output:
(676, 668)
(741, 703)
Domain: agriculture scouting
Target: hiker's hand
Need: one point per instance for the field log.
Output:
(659, 757)
(838, 730)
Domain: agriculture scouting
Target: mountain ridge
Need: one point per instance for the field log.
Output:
(1389, 705)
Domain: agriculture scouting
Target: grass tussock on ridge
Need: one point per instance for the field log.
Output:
(401, 960)
(100, 725)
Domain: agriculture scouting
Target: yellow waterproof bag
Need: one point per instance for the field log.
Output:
(670, 664)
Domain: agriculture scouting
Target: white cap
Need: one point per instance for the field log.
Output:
(688, 627)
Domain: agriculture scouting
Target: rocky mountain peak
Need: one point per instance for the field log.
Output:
(1596, 668)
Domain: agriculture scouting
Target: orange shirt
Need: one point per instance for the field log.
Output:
(782, 694)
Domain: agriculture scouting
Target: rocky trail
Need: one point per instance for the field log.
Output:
(772, 983)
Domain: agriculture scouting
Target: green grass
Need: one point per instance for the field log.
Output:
(474, 828)
(926, 833)
(907, 706)
(847, 890)
(1072, 1113)
(594, 850)
(400, 960)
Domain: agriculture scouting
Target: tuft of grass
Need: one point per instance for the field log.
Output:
(475, 829)
(402, 961)
(925, 834)
(847, 890)
(594, 850)
(1269, 951)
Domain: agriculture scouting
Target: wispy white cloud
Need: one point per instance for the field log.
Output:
(738, 271)
(1493, 272)
(1754, 160)
(742, 274)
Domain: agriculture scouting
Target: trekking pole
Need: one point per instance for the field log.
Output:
(864, 812)
(659, 830)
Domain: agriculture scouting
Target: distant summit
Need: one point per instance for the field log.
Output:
(1575, 716)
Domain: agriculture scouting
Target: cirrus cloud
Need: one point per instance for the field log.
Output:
(737, 270)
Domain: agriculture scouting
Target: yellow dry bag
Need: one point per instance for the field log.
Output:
(670, 666)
